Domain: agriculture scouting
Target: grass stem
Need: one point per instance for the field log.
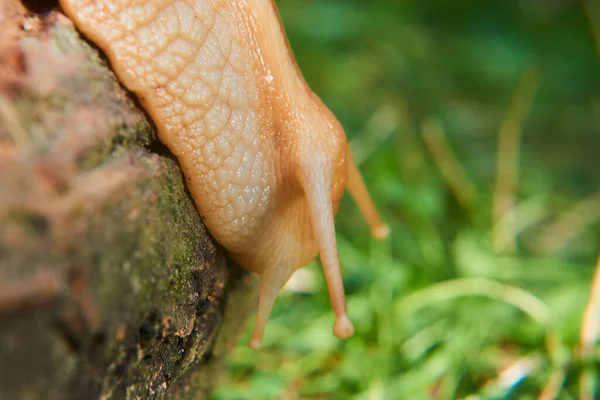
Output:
(507, 162)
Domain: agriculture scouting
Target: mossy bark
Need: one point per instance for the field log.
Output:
(110, 287)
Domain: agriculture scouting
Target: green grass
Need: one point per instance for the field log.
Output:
(478, 132)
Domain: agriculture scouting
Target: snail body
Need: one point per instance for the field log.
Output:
(265, 160)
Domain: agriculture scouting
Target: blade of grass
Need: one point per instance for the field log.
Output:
(511, 376)
(526, 214)
(566, 227)
(554, 385)
(421, 341)
(448, 164)
(560, 357)
(507, 163)
(380, 126)
(517, 297)
(587, 384)
(381, 297)
(409, 149)
(590, 326)
(590, 330)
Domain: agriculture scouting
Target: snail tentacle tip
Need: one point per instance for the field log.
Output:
(343, 328)
(255, 343)
(381, 231)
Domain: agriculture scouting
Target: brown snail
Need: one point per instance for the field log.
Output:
(265, 160)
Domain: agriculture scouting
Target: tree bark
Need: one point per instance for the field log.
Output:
(110, 287)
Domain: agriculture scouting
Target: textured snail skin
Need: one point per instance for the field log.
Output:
(265, 161)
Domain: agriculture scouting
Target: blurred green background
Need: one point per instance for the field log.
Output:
(477, 127)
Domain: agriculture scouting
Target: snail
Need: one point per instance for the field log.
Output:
(266, 162)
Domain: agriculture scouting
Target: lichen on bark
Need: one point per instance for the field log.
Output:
(110, 287)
